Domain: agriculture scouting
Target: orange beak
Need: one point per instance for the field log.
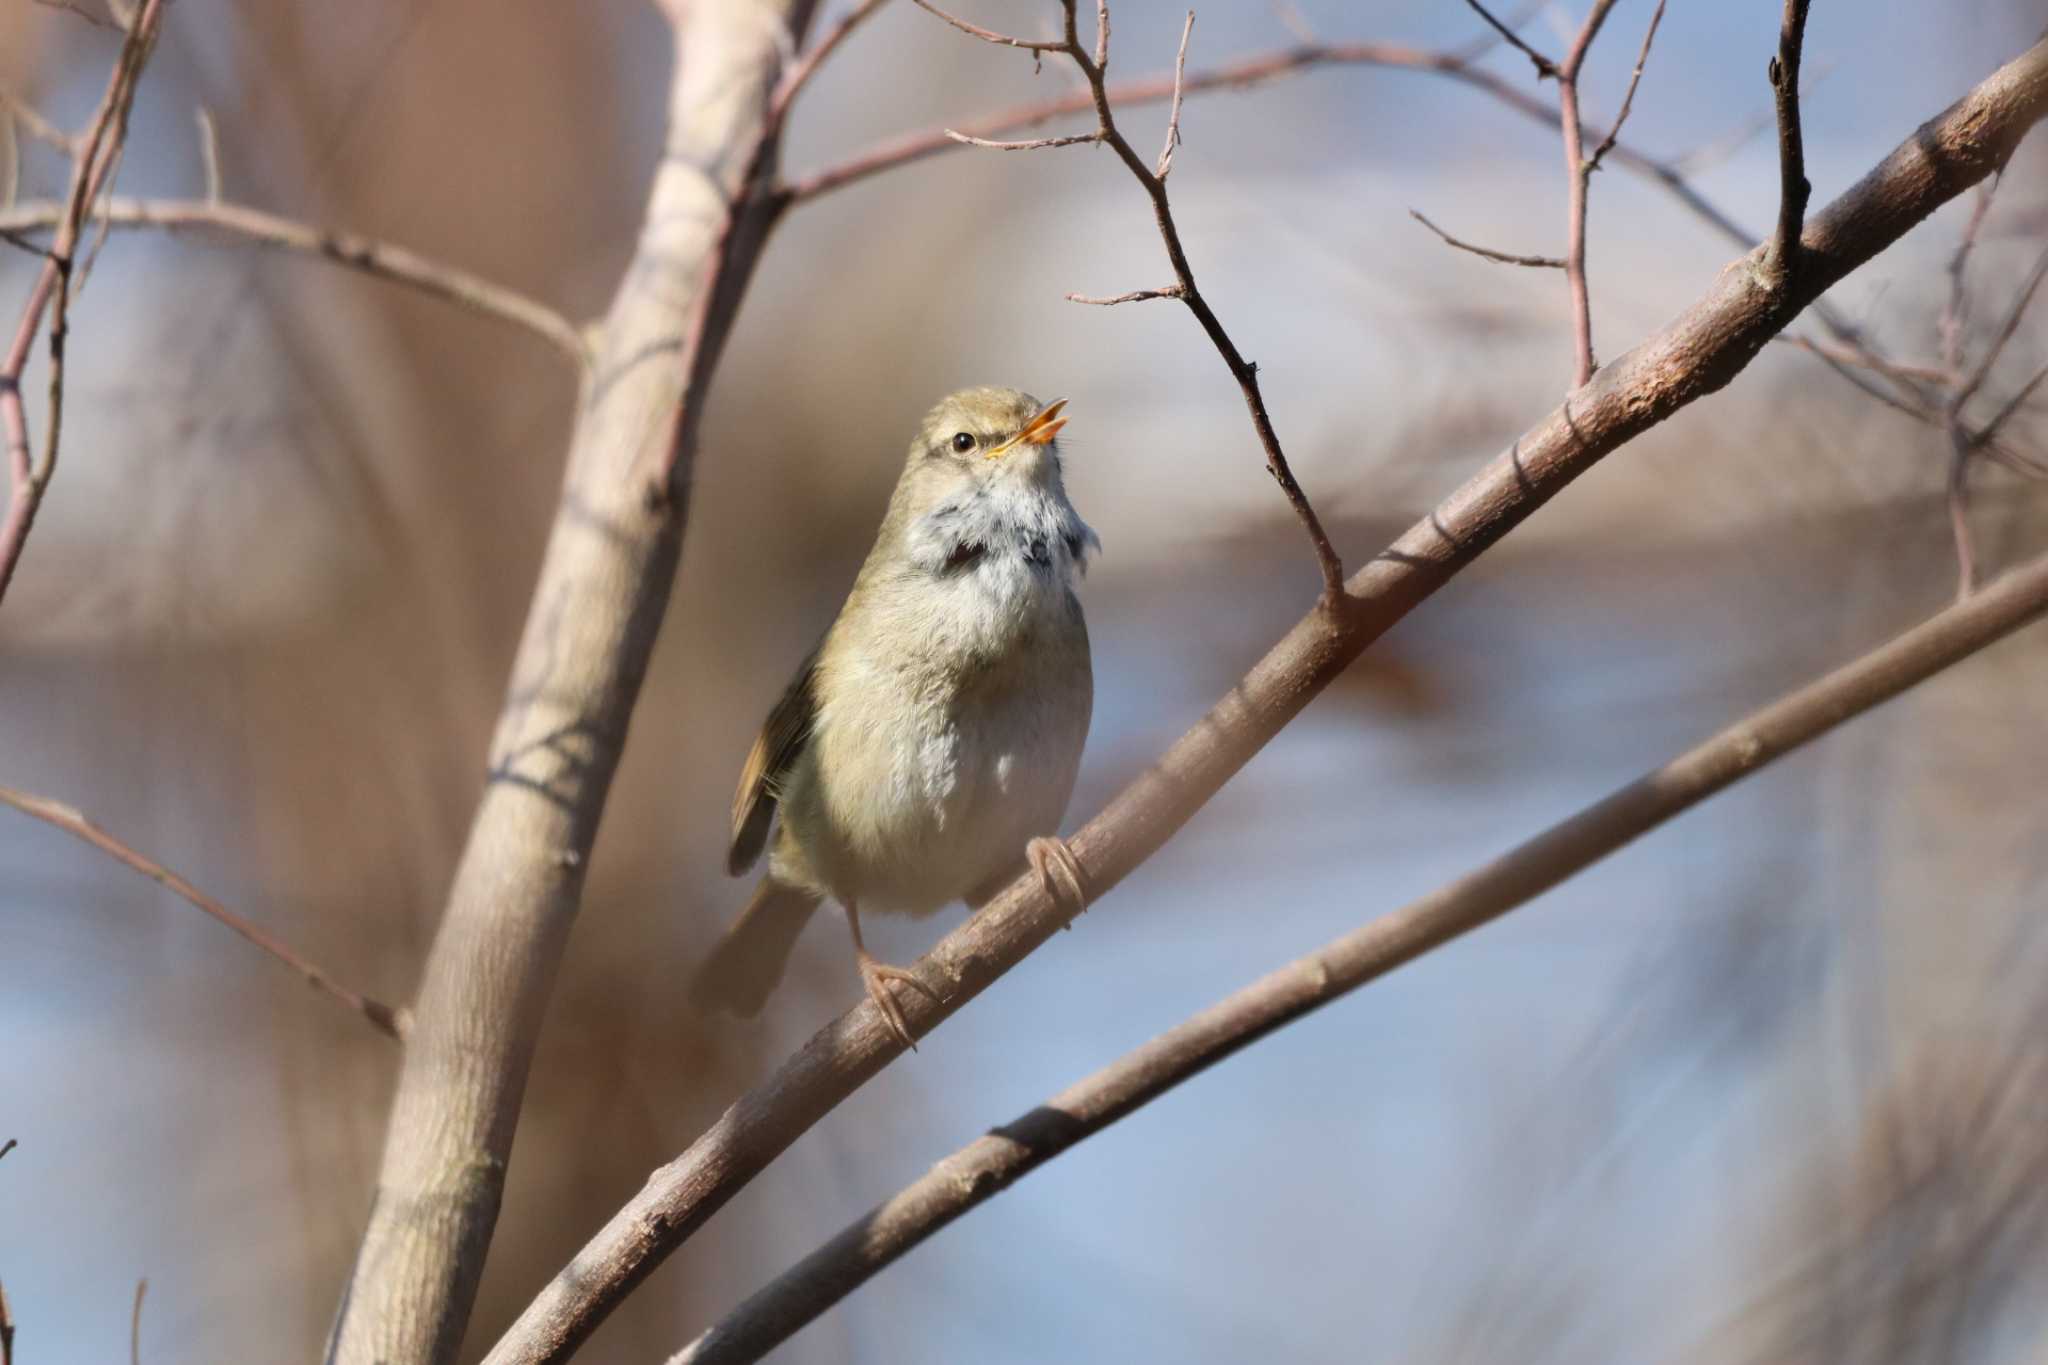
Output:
(1040, 430)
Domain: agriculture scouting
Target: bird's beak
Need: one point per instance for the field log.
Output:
(1043, 426)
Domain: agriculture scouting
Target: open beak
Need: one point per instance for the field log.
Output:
(1043, 426)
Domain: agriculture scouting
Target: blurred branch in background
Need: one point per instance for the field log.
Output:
(94, 155)
(380, 260)
(1698, 353)
(385, 1019)
(986, 1167)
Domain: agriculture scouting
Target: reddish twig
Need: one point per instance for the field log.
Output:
(94, 156)
(1579, 175)
(1628, 98)
(1487, 253)
(386, 1020)
(1153, 180)
(991, 1164)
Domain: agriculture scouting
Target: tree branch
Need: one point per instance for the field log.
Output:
(1793, 187)
(1488, 253)
(1579, 174)
(984, 1168)
(385, 1019)
(604, 583)
(94, 156)
(380, 260)
(1153, 179)
(1695, 355)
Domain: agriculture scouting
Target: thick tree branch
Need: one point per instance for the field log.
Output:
(1698, 353)
(604, 582)
(984, 1168)
(94, 156)
(386, 1020)
(363, 254)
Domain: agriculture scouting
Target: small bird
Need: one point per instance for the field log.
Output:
(926, 749)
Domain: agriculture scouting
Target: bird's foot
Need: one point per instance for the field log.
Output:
(1059, 872)
(876, 976)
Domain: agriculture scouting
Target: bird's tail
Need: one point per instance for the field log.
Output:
(749, 960)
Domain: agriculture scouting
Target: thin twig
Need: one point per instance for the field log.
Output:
(30, 120)
(1545, 68)
(2005, 332)
(1180, 75)
(92, 165)
(135, 1323)
(382, 1017)
(1697, 354)
(1954, 312)
(1578, 171)
(1989, 431)
(1026, 145)
(984, 1168)
(1154, 182)
(800, 73)
(366, 255)
(1793, 186)
(72, 7)
(1171, 291)
(1628, 99)
(6, 1323)
(1898, 370)
(989, 35)
(1505, 258)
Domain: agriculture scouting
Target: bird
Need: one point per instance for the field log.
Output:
(927, 747)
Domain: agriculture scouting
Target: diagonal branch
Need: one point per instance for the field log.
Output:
(94, 156)
(1488, 253)
(1153, 180)
(385, 1019)
(984, 1168)
(380, 260)
(1698, 353)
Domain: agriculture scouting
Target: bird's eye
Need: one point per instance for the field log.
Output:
(963, 441)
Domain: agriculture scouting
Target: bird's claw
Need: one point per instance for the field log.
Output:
(876, 976)
(1059, 872)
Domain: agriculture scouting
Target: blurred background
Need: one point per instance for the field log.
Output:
(1772, 1084)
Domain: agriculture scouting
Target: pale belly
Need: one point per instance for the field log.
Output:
(913, 794)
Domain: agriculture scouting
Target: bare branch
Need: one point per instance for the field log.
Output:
(96, 153)
(35, 125)
(380, 260)
(799, 75)
(1990, 430)
(1545, 68)
(72, 7)
(1171, 291)
(1628, 99)
(1545, 262)
(1579, 172)
(135, 1324)
(1180, 73)
(1698, 353)
(989, 35)
(2005, 332)
(1027, 145)
(984, 1168)
(386, 1020)
(1793, 187)
(1898, 370)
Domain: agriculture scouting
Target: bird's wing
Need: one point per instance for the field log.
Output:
(783, 736)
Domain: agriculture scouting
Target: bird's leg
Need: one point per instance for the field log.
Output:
(876, 976)
(1059, 872)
